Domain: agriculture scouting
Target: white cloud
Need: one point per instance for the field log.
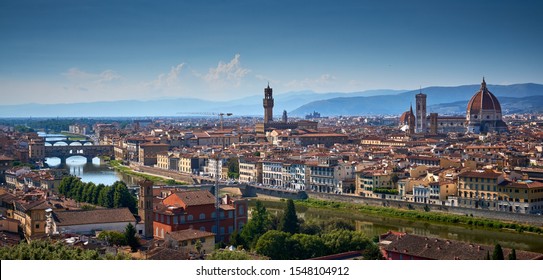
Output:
(231, 72)
(167, 80)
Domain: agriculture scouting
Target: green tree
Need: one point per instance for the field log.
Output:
(113, 237)
(236, 240)
(46, 250)
(275, 244)
(130, 237)
(257, 225)
(229, 255)
(233, 167)
(289, 220)
(339, 241)
(372, 252)
(512, 255)
(96, 193)
(498, 252)
(307, 246)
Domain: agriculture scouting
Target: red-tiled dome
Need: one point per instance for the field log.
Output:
(404, 118)
(483, 100)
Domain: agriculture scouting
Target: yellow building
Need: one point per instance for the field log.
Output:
(31, 215)
(479, 189)
(250, 170)
(521, 197)
(191, 241)
(368, 181)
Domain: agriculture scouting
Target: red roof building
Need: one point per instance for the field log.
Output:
(196, 210)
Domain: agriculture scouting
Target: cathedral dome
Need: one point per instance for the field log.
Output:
(484, 112)
(484, 105)
(404, 118)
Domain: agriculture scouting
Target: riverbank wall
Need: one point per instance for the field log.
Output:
(165, 173)
(535, 220)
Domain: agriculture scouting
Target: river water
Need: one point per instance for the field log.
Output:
(96, 172)
(376, 225)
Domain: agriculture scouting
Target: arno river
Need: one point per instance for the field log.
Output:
(370, 225)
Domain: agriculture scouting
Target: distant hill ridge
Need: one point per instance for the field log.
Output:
(517, 98)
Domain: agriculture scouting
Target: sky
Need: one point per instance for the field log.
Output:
(84, 51)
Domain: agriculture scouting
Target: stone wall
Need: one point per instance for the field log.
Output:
(513, 217)
(165, 173)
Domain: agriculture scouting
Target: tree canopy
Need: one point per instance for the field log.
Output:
(115, 196)
(45, 250)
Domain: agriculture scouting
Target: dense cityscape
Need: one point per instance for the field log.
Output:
(194, 181)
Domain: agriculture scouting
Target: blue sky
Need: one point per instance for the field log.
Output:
(79, 51)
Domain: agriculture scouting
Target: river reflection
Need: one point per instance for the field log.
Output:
(376, 225)
(95, 172)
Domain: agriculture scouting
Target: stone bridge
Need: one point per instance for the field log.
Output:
(88, 151)
(70, 142)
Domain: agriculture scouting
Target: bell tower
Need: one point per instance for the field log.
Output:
(145, 207)
(420, 100)
(268, 104)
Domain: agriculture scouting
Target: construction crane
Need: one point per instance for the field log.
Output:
(221, 115)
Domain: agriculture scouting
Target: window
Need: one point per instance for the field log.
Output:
(182, 219)
(230, 214)
(241, 210)
(202, 240)
(202, 216)
(202, 228)
(230, 229)
(162, 218)
(168, 220)
(175, 220)
(37, 225)
(156, 217)
(190, 218)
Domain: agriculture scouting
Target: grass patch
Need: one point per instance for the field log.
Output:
(117, 164)
(418, 215)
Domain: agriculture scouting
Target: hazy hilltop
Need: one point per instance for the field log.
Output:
(451, 100)
(518, 98)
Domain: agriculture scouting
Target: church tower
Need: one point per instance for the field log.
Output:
(421, 113)
(268, 105)
(145, 207)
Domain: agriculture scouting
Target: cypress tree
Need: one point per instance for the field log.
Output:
(512, 255)
(289, 220)
(498, 252)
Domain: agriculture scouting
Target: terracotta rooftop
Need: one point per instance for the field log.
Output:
(98, 216)
(192, 198)
(442, 249)
(189, 234)
(488, 174)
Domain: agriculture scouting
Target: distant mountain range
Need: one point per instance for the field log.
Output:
(247, 106)
(518, 98)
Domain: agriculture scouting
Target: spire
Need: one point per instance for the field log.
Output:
(483, 84)
(268, 84)
(411, 108)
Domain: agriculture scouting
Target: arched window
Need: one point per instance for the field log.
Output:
(190, 218)
(202, 216)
